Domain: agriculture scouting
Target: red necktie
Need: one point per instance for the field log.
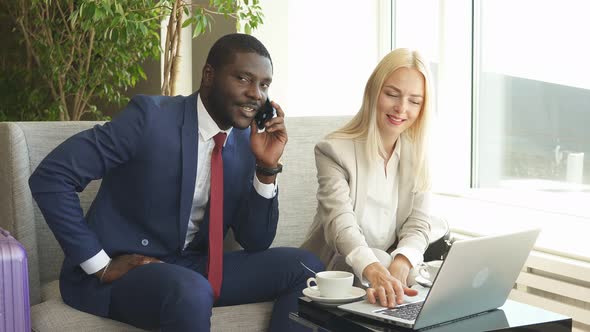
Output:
(215, 263)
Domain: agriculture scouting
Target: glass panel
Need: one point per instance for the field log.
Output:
(441, 31)
(533, 88)
(521, 144)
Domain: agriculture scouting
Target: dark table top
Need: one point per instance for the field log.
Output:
(512, 316)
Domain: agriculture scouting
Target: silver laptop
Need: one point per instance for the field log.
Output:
(476, 277)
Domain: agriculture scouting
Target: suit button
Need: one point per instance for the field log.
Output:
(145, 242)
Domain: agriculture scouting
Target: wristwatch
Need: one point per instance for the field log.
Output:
(270, 171)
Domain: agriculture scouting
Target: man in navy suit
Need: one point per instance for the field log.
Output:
(140, 254)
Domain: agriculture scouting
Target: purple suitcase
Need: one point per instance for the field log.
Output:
(14, 286)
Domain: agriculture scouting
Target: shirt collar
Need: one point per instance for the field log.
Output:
(207, 126)
(397, 149)
(394, 159)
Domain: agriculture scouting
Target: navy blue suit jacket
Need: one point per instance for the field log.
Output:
(147, 159)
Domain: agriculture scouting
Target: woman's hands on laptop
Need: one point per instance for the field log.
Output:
(386, 284)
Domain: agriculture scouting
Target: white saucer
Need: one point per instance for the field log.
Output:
(314, 294)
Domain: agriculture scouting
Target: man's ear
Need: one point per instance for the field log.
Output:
(208, 74)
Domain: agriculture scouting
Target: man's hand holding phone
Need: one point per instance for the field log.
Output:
(267, 112)
(268, 145)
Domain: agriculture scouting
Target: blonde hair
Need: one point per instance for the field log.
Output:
(364, 123)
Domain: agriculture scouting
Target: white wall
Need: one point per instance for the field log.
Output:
(323, 52)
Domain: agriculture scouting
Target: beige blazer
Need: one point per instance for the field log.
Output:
(342, 166)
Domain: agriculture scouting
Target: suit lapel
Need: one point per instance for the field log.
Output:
(406, 180)
(362, 171)
(190, 151)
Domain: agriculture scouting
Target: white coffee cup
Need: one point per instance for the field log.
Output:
(424, 272)
(332, 284)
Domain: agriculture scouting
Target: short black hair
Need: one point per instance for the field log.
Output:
(223, 50)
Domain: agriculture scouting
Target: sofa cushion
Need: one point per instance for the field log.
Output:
(50, 291)
(54, 315)
(298, 183)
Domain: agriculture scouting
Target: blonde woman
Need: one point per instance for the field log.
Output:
(373, 200)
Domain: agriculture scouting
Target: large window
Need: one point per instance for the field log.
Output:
(533, 95)
(512, 92)
(513, 107)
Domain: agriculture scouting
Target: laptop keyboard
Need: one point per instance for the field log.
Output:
(407, 312)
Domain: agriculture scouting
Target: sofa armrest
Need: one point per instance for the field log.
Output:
(16, 202)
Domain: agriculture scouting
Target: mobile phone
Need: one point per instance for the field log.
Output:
(265, 113)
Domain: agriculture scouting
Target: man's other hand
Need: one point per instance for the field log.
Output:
(121, 265)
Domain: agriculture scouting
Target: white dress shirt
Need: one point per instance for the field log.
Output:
(207, 129)
(378, 220)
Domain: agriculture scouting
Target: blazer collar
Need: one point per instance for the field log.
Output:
(189, 132)
(189, 113)
(406, 181)
(406, 171)
(362, 173)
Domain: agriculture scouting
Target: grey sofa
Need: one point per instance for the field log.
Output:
(24, 144)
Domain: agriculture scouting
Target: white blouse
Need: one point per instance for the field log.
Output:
(378, 221)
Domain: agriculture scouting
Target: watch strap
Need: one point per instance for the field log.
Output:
(269, 171)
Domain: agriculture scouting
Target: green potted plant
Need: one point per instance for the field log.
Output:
(78, 51)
